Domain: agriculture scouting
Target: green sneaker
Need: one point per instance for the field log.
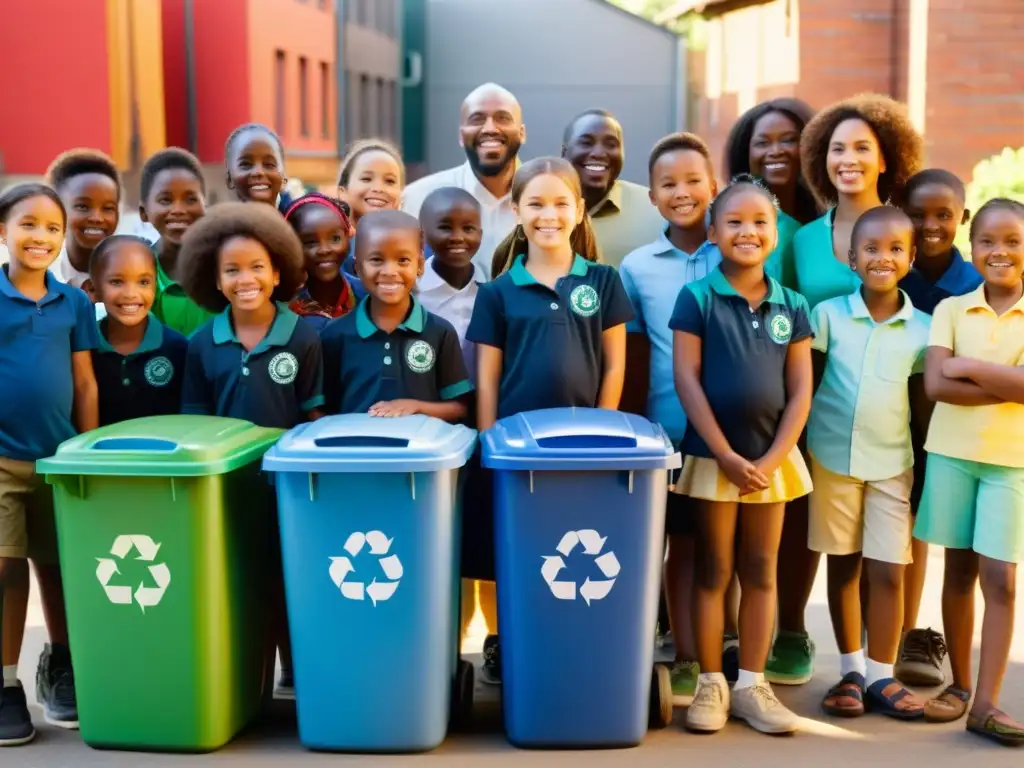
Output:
(791, 661)
(684, 682)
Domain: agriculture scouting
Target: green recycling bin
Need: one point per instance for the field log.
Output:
(164, 526)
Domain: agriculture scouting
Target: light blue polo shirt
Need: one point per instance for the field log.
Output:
(860, 416)
(653, 275)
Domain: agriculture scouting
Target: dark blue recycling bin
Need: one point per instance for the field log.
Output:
(579, 542)
(369, 516)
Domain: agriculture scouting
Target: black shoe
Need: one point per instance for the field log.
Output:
(285, 688)
(491, 672)
(55, 687)
(731, 658)
(15, 722)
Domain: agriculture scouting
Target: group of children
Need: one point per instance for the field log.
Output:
(788, 354)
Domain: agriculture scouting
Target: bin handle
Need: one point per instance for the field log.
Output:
(577, 442)
(361, 441)
(134, 444)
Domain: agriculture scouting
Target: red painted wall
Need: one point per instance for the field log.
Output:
(175, 86)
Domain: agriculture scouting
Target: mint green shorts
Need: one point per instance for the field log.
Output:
(969, 505)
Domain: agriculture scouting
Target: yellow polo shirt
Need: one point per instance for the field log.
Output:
(623, 221)
(990, 434)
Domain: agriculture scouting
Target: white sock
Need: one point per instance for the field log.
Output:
(11, 676)
(876, 671)
(852, 662)
(748, 679)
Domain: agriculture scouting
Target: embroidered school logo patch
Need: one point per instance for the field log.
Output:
(780, 328)
(584, 301)
(159, 371)
(284, 368)
(419, 356)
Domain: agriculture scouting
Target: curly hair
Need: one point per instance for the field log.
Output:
(78, 162)
(996, 204)
(201, 246)
(899, 141)
(359, 148)
(737, 146)
(19, 193)
(167, 159)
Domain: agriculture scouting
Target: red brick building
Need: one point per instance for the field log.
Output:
(958, 64)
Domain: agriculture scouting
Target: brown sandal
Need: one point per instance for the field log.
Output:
(997, 726)
(948, 706)
(850, 689)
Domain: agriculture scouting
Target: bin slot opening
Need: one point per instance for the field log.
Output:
(134, 444)
(587, 441)
(361, 441)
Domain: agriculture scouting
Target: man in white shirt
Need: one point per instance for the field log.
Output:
(491, 131)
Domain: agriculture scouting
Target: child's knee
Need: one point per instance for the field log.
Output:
(714, 572)
(13, 572)
(757, 570)
(885, 576)
(998, 582)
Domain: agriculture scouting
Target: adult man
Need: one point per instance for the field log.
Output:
(491, 131)
(620, 211)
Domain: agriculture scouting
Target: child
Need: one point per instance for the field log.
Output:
(173, 194)
(47, 330)
(858, 436)
(254, 160)
(324, 230)
(254, 360)
(974, 482)
(743, 373)
(139, 363)
(935, 202)
(390, 357)
(682, 185)
(551, 315)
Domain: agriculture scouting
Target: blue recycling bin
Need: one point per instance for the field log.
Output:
(369, 518)
(579, 540)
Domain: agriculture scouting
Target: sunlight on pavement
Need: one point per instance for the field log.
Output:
(818, 728)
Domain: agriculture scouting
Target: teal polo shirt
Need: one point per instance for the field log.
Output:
(860, 417)
(653, 275)
(550, 338)
(37, 390)
(743, 358)
(275, 384)
(146, 382)
(820, 275)
(959, 279)
(173, 307)
(420, 360)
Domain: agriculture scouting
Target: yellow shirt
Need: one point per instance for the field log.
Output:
(990, 434)
(623, 221)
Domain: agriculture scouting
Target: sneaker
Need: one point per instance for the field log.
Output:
(731, 657)
(684, 682)
(15, 721)
(759, 707)
(491, 671)
(285, 688)
(920, 661)
(709, 711)
(55, 687)
(791, 661)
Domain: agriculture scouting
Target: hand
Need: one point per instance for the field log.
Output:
(957, 367)
(394, 408)
(742, 473)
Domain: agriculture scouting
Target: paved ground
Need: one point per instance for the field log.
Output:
(833, 743)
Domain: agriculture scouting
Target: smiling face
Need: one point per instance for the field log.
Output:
(744, 228)
(453, 233)
(255, 167)
(388, 261)
(174, 204)
(682, 187)
(374, 183)
(549, 210)
(325, 240)
(491, 130)
(997, 247)
(127, 283)
(34, 233)
(775, 150)
(91, 200)
(937, 212)
(595, 150)
(883, 253)
(246, 274)
(854, 160)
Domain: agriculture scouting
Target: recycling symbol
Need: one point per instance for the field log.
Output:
(592, 543)
(146, 597)
(390, 565)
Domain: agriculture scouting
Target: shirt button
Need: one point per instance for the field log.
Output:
(387, 359)
(245, 371)
(387, 345)
(554, 305)
(755, 324)
(126, 382)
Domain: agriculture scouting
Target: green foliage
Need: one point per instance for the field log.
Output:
(1001, 175)
(690, 26)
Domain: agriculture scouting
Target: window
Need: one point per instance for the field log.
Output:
(279, 92)
(351, 113)
(365, 116)
(325, 100)
(393, 110)
(382, 126)
(304, 95)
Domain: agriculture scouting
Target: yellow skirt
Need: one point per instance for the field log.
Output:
(703, 479)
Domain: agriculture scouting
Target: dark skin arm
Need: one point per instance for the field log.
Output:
(920, 406)
(87, 394)
(941, 388)
(1005, 382)
(613, 352)
(799, 385)
(488, 381)
(638, 366)
(818, 361)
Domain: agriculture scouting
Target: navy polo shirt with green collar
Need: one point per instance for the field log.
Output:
(550, 338)
(146, 382)
(743, 358)
(420, 360)
(273, 385)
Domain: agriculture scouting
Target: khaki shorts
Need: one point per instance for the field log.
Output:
(849, 515)
(27, 526)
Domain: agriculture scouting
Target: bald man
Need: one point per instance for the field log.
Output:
(491, 131)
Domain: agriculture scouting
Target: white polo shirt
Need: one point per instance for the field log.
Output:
(455, 306)
(497, 219)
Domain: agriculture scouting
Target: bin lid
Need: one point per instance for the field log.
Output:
(162, 446)
(358, 442)
(577, 439)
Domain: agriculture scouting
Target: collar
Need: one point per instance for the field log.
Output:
(415, 322)
(68, 272)
(612, 202)
(7, 287)
(152, 338)
(280, 332)
(859, 310)
(430, 280)
(163, 280)
(952, 280)
(720, 285)
(976, 300)
(521, 276)
(472, 184)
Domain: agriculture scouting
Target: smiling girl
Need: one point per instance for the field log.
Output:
(254, 156)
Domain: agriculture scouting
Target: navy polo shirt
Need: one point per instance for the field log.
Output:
(37, 390)
(743, 358)
(960, 278)
(550, 338)
(274, 385)
(420, 360)
(146, 382)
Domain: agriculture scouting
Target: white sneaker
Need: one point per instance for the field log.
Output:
(762, 710)
(709, 711)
